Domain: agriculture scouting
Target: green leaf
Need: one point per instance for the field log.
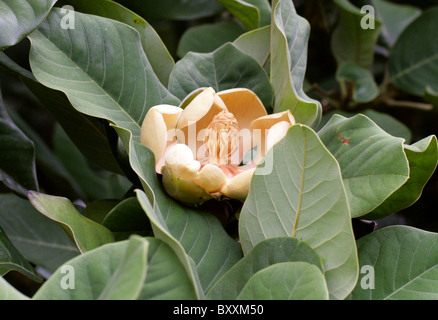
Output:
(286, 281)
(159, 57)
(264, 254)
(289, 38)
(364, 86)
(385, 121)
(373, 162)
(92, 139)
(257, 44)
(299, 193)
(11, 259)
(208, 37)
(126, 218)
(19, 18)
(138, 268)
(39, 239)
(201, 234)
(351, 42)
(395, 18)
(413, 63)
(252, 13)
(173, 9)
(96, 184)
(225, 68)
(86, 233)
(17, 156)
(162, 232)
(423, 159)
(8, 292)
(405, 263)
(109, 273)
(91, 73)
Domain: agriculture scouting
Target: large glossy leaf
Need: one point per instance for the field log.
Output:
(423, 159)
(11, 259)
(208, 37)
(289, 36)
(162, 232)
(201, 234)
(225, 68)
(405, 264)
(39, 239)
(19, 18)
(257, 44)
(286, 281)
(8, 292)
(303, 197)
(86, 233)
(395, 18)
(384, 120)
(159, 57)
(413, 63)
(264, 254)
(351, 42)
(373, 162)
(85, 63)
(17, 156)
(149, 267)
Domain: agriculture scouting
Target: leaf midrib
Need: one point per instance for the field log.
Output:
(89, 77)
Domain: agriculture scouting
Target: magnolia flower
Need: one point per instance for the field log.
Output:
(202, 147)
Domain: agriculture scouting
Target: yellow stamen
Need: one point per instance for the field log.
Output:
(222, 138)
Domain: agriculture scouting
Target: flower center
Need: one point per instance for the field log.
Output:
(222, 138)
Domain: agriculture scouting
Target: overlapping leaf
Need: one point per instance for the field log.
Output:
(159, 57)
(100, 65)
(303, 196)
(405, 264)
(413, 63)
(17, 156)
(286, 281)
(19, 18)
(289, 37)
(39, 239)
(373, 162)
(266, 253)
(225, 68)
(11, 259)
(86, 233)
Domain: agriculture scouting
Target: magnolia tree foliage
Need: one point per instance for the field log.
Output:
(226, 150)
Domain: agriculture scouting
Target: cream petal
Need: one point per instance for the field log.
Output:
(238, 187)
(244, 104)
(246, 107)
(211, 178)
(155, 128)
(196, 117)
(261, 127)
(179, 158)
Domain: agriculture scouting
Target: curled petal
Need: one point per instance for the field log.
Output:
(195, 119)
(238, 187)
(261, 130)
(179, 158)
(156, 130)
